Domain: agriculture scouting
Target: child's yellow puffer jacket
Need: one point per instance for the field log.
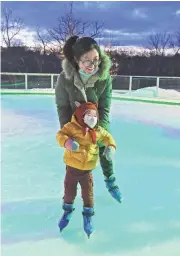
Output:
(87, 155)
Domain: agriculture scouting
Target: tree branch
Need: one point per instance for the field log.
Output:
(10, 27)
(68, 26)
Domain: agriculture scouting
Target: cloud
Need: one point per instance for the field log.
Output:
(97, 5)
(26, 36)
(120, 35)
(178, 12)
(139, 13)
(87, 4)
(104, 5)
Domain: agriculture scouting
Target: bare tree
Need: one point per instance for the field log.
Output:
(175, 42)
(159, 42)
(68, 26)
(96, 28)
(10, 28)
(108, 41)
(43, 39)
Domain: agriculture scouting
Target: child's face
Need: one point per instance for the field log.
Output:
(90, 118)
(91, 112)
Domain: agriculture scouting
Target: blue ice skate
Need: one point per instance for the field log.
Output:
(87, 217)
(64, 221)
(113, 189)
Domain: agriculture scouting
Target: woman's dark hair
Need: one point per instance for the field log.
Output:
(75, 47)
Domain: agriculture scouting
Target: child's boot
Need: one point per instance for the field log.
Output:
(87, 217)
(113, 188)
(64, 221)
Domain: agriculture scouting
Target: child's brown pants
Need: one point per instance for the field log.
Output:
(73, 176)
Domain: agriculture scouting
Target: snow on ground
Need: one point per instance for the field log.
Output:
(148, 92)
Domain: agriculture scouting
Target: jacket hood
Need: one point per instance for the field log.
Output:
(74, 120)
(103, 72)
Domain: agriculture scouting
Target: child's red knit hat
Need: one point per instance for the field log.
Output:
(80, 111)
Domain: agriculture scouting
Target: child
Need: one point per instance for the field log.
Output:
(80, 137)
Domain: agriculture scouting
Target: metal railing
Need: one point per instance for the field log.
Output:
(124, 84)
(27, 80)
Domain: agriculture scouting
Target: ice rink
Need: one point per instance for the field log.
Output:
(147, 168)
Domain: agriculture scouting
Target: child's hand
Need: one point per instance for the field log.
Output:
(71, 145)
(109, 152)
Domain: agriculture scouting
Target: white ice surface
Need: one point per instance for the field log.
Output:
(147, 164)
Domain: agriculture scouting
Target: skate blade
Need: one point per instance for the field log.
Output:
(121, 200)
(61, 230)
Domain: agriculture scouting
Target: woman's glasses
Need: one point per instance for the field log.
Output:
(89, 63)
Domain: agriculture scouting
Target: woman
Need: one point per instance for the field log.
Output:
(86, 78)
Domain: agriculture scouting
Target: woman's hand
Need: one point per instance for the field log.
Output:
(109, 152)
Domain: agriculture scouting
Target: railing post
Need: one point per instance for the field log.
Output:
(26, 81)
(130, 85)
(157, 86)
(52, 82)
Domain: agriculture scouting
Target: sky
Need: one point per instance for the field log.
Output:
(125, 23)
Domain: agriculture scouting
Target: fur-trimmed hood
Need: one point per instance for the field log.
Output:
(103, 72)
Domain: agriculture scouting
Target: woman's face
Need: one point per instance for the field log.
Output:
(89, 61)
